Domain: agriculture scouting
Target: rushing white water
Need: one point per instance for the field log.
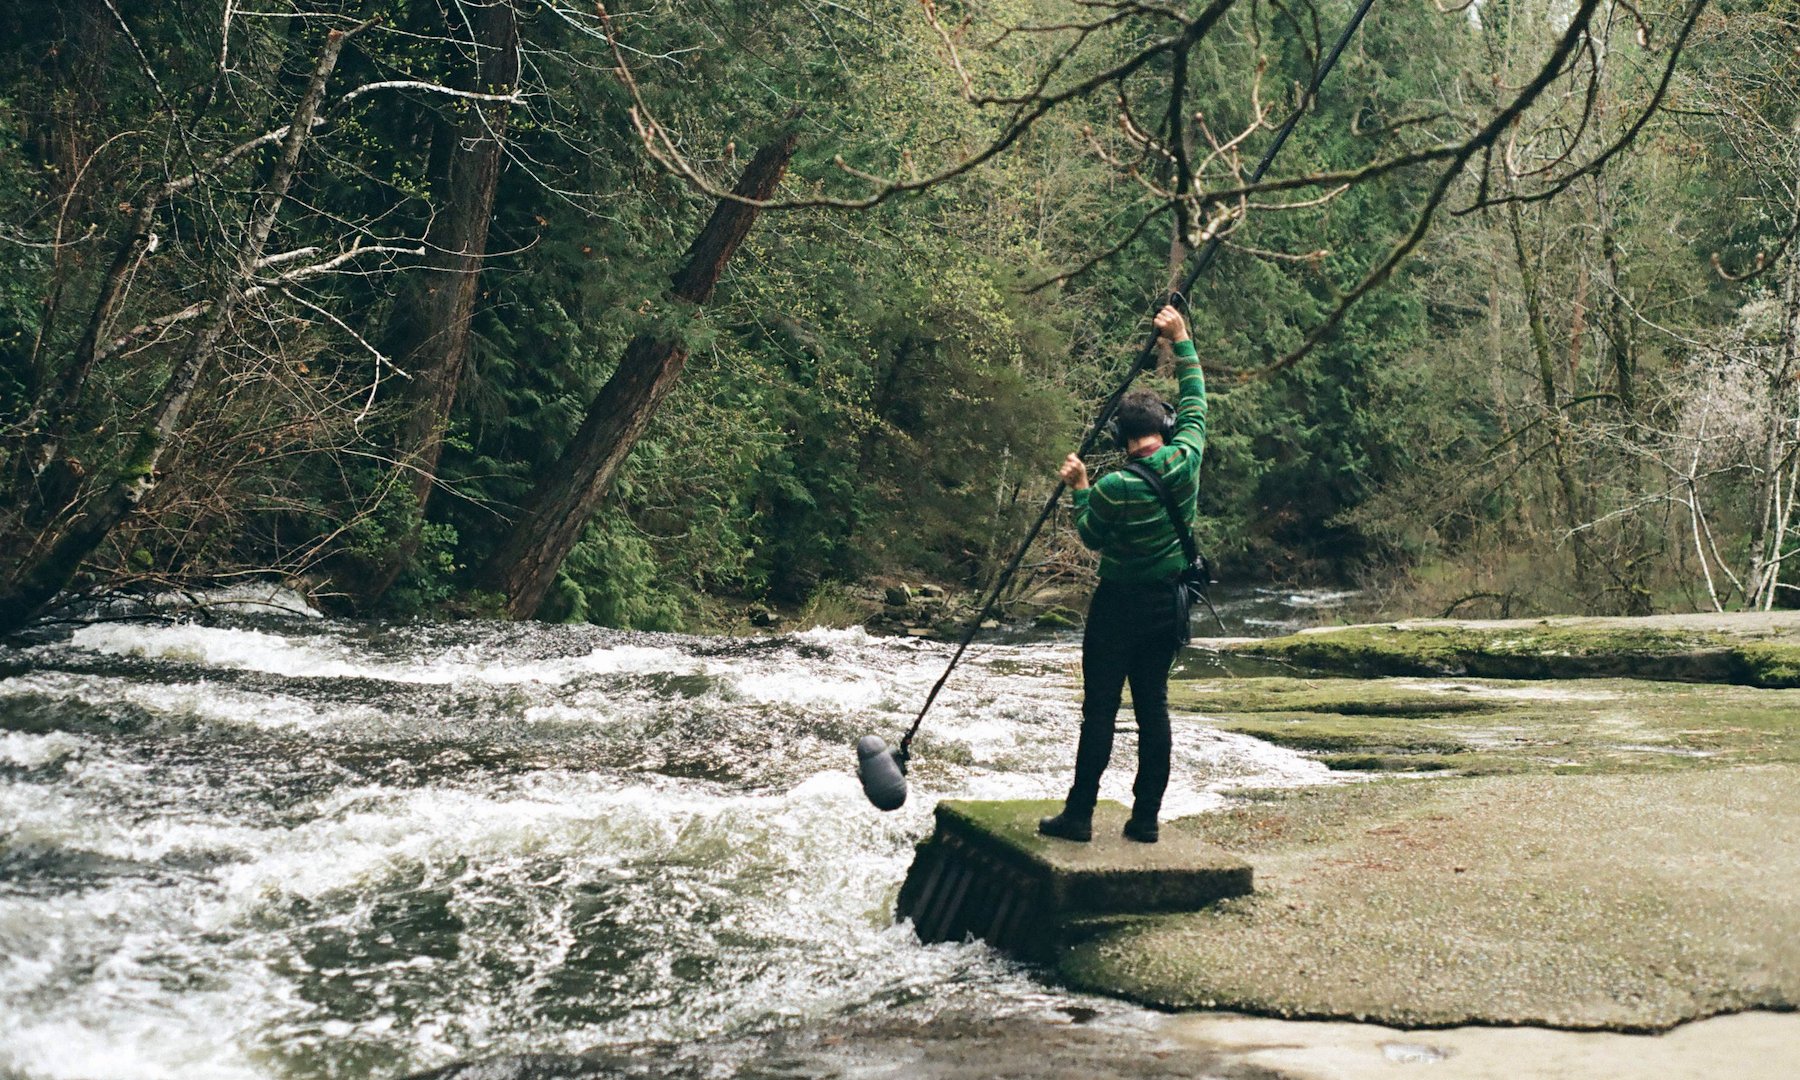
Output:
(304, 848)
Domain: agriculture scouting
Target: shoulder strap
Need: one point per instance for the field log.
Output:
(1186, 535)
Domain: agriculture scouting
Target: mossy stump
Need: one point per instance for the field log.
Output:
(986, 872)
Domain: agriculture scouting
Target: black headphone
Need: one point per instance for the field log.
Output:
(1166, 429)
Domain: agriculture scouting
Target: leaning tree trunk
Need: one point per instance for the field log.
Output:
(432, 335)
(57, 555)
(558, 509)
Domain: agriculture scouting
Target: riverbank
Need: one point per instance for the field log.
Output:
(1623, 903)
(1592, 854)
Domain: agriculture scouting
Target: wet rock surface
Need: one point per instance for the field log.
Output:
(1629, 903)
(1582, 853)
(1745, 1046)
(1057, 1047)
(1490, 727)
(1076, 1044)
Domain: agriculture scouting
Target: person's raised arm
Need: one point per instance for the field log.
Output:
(1190, 409)
(1074, 473)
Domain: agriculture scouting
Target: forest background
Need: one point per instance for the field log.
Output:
(453, 304)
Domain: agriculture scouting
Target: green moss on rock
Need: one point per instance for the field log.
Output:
(1011, 821)
(1629, 903)
(1370, 733)
(1543, 650)
(1496, 727)
(1771, 663)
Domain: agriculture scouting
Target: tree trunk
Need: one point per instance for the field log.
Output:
(57, 555)
(1578, 327)
(1768, 510)
(1619, 331)
(54, 411)
(558, 509)
(431, 340)
(1546, 362)
(67, 143)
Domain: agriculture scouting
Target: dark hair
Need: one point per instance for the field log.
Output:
(1142, 412)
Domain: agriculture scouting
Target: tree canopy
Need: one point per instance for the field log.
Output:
(356, 295)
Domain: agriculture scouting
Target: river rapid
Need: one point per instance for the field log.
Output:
(285, 846)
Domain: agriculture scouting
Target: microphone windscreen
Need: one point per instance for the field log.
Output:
(883, 776)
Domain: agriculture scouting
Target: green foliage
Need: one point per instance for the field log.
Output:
(877, 392)
(22, 272)
(429, 580)
(612, 578)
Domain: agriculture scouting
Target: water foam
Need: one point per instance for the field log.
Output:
(1320, 598)
(181, 702)
(211, 646)
(244, 599)
(549, 907)
(35, 751)
(320, 656)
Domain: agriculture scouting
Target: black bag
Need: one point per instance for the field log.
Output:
(1196, 574)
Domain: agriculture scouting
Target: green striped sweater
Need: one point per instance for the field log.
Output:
(1121, 517)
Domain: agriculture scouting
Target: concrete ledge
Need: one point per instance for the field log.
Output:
(986, 872)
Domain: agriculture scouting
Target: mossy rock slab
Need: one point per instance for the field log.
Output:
(986, 872)
(1486, 726)
(1628, 903)
(1759, 649)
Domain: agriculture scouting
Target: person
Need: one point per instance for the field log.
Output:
(1137, 619)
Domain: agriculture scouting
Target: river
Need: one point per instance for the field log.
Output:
(267, 845)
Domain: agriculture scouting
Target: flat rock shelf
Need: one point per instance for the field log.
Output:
(986, 872)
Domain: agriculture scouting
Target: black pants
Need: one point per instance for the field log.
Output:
(1133, 633)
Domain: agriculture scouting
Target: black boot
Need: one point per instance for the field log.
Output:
(1068, 825)
(1141, 829)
